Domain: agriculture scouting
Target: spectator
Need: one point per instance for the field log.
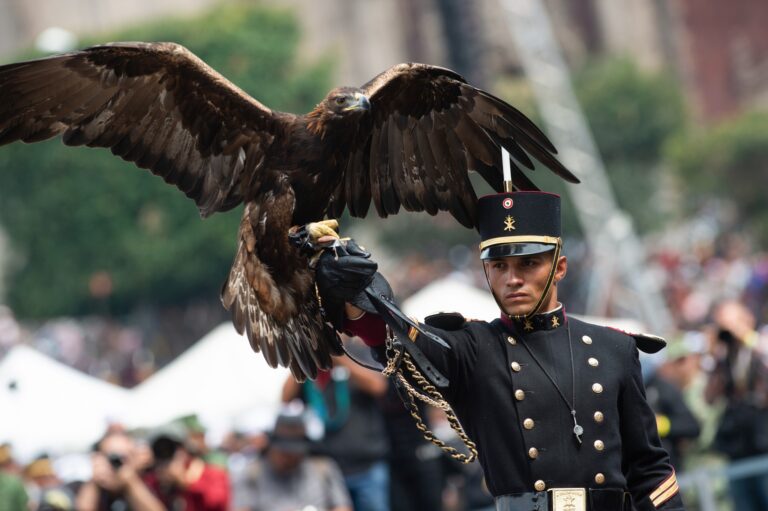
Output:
(285, 479)
(46, 490)
(116, 482)
(347, 401)
(13, 496)
(677, 424)
(740, 377)
(183, 480)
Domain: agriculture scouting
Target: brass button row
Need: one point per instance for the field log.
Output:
(540, 485)
(599, 478)
(599, 445)
(586, 339)
(511, 340)
(515, 367)
(533, 453)
(597, 388)
(599, 417)
(528, 423)
(593, 362)
(519, 394)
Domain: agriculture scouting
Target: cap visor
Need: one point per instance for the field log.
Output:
(514, 249)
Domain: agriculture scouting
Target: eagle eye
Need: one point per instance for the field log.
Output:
(340, 100)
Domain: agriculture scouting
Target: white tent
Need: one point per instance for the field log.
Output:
(219, 378)
(452, 294)
(46, 406)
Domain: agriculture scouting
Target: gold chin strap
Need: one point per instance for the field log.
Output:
(540, 302)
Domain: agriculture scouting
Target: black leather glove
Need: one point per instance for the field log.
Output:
(343, 271)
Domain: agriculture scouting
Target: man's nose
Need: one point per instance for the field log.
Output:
(514, 279)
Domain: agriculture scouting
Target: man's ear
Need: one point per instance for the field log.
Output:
(561, 269)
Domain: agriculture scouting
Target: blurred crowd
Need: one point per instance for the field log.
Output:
(345, 442)
(341, 443)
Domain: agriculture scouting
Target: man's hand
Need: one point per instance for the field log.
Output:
(344, 271)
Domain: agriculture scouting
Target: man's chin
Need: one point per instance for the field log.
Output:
(518, 310)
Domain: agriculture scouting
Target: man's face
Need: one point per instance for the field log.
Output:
(518, 282)
(284, 462)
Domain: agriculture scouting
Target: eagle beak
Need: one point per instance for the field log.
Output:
(362, 103)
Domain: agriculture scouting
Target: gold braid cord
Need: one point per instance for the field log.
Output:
(431, 397)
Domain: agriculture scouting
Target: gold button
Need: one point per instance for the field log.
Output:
(511, 340)
(540, 485)
(528, 423)
(533, 453)
(519, 394)
(515, 366)
(599, 478)
(586, 339)
(597, 388)
(599, 445)
(599, 416)
(593, 362)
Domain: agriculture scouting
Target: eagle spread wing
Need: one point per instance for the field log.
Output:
(427, 128)
(406, 138)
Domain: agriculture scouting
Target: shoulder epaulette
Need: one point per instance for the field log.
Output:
(647, 343)
(446, 321)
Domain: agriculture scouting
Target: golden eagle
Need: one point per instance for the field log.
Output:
(406, 138)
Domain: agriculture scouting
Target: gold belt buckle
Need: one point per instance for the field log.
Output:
(569, 499)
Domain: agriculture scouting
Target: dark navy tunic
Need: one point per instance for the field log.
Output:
(523, 427)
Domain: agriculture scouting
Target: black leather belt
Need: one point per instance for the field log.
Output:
(566, 499)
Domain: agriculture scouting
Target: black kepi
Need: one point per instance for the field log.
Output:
(518, 223)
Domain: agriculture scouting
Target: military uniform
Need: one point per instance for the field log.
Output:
(522, 426)
(556, 406)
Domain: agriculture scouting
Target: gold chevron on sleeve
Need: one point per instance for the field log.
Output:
(665, 491)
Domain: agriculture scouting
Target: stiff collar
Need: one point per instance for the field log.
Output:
(551, 320)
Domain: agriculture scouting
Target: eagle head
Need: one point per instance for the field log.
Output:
(340, 105)
(345, 100)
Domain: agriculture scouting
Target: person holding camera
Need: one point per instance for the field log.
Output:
(116, 483)
(740, 377)
(182, 479)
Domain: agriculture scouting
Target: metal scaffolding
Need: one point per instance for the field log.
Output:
(620, 279)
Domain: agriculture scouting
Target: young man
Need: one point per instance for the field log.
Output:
(556, 406)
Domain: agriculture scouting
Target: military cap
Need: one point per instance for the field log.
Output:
(518, 223)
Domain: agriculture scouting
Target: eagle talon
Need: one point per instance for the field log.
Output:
(323, 228)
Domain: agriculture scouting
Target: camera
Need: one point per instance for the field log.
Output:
(726, 337)
(115, 460)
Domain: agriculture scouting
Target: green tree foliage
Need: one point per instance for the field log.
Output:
(73, 213)
(728, 161)
(631, 114)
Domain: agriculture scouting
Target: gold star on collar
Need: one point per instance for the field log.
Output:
(555, 322)
(527, 325)
(509, 223)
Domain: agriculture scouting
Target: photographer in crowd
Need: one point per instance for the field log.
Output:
(740, 377)
(116, 483)
(182, 479)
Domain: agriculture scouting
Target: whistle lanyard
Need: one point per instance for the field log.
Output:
(577, 429)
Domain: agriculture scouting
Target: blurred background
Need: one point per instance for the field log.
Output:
(109, 280)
